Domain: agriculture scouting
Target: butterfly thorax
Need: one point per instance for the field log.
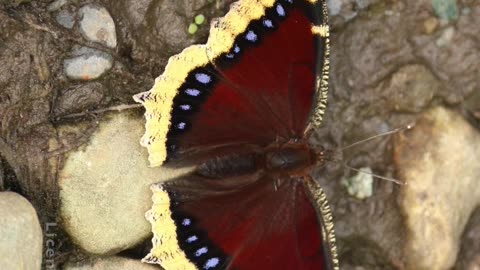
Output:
(292, 159)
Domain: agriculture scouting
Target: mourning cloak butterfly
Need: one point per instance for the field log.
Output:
(241, 108)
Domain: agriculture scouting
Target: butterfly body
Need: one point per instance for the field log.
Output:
(293, 158)
(238, 108)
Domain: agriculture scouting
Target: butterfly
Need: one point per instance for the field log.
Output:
(241, 108)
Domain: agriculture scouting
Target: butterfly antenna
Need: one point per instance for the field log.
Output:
(390, 132)
(374, 175)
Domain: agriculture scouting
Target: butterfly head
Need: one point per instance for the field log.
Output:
(322, 156)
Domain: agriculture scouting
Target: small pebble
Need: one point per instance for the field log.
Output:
(334, 7)
(56, 5)
(466, 11)
(430, 25)
(446, 37)
(446, 10)
(87, 64)
(362, 3)
(65, 19)
(97, 25)
(360, 185)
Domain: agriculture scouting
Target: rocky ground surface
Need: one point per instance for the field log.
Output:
(65, 62)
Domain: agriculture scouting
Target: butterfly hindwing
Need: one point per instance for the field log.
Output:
(254, 223)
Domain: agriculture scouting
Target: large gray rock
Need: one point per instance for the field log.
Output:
(20, 234)
(104, 187)
(110, 263)
(438, 159)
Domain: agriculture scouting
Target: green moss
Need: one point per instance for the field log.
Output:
(199, 19)
(192, 28)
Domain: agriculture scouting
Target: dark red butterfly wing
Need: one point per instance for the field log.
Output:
(260, 76)
(253, 82)
(264, 224)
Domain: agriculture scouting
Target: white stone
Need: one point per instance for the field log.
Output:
(446, 37)
(334, 7)
(360, 185)
(65, 19)
(55, 5)
(87, 64)
(104, 187)
(97, 25)
(20, 234)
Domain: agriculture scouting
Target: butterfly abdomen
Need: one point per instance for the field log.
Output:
(228, 166)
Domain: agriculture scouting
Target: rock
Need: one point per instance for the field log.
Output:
(20, 234)
(78, 98)
(334, 7)
(369, 52)
(438, 159)
(110, 263)
(104, 187)
(410, 89)
(65, 19)
(87, 63)
(446, 10)
(430, 25)
(360, 185)
(452, 46)
(446, 37)
(56, 5)
(97, 25)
